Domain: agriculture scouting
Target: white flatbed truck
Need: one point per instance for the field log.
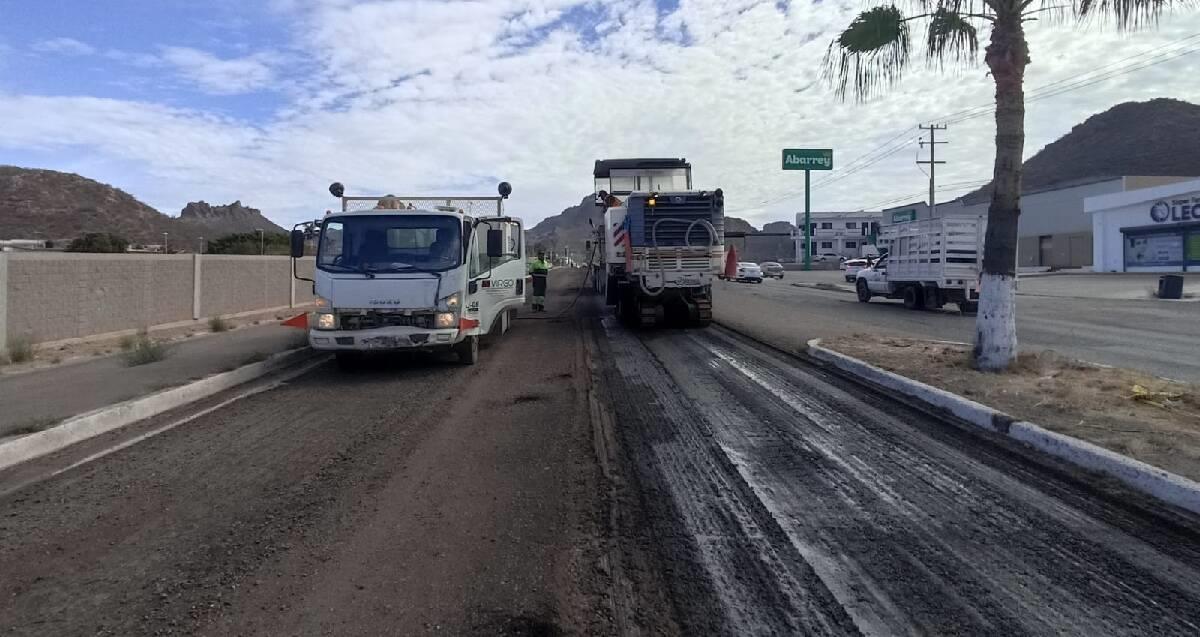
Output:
(929, 263)
(399, 273)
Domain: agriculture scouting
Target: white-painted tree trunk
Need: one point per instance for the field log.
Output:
(996, 322)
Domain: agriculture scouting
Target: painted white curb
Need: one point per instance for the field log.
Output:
(94, 423)
(1159, 483)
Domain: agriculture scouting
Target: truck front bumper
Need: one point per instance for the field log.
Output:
(383, 338)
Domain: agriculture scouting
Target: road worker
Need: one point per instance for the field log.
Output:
(540, 270)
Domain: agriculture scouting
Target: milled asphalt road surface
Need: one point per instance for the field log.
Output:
(787, 501)
(583, 479)
(1154, 336)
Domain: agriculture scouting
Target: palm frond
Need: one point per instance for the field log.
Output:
(870, 54)
(1128, 14)
(950, 36)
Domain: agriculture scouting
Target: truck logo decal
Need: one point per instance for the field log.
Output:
(473, 307)
(503, 283)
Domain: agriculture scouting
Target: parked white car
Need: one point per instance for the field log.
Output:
(852, 267)
(749, 272)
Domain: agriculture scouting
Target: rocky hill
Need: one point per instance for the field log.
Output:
(1156, 138)
(568, 230)
(47, 204)
(734, 224)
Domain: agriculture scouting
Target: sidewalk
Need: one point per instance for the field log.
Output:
(38, 398)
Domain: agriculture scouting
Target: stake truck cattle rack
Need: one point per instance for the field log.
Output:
(661, 243)
(929, 263)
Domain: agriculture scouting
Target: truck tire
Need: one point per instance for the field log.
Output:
(468, 350)
(863, 292)
(968, 307)
(611, 291)
(627, 309)
(914, 298)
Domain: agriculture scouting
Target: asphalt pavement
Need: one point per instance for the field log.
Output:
(789, 501)
(1158, 337)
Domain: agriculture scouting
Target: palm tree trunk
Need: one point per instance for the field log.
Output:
(995, 325)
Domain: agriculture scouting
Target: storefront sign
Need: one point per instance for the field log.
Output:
(900, 216)
(1176, 210)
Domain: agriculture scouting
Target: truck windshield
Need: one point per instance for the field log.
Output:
(390, 243)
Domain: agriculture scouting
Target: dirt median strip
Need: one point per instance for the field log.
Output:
(84, 426)
(1139, 471)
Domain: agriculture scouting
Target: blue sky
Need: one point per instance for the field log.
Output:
(268, 101)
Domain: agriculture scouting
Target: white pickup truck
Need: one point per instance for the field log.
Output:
(929, 263)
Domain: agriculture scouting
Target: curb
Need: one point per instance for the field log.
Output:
(1164, 485)
(105, 419)
(828, 287)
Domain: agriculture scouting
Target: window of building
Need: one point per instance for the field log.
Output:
(826, 244)
(851, 244)
(827, 225)
(851, 225)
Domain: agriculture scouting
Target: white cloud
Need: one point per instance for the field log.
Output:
(222, 76)
(424, 96)
(64, 46)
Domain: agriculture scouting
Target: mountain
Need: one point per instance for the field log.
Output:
(779, 226)
(1152, 138)
(734, 224)
(229, 219)
(568, 230)
(47, 204)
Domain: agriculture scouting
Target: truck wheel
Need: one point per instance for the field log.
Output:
(968, 307)
(864, 292)
(611, 291)
(468, 350)
(914, 299)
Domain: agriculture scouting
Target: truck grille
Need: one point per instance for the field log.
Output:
(676, 260)
(372, 319)
(687, 207)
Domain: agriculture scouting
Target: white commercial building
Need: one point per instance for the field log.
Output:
(1148, 230)
(845, 234)
(1053, 230)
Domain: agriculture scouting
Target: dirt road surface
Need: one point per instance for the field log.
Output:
(410, 497)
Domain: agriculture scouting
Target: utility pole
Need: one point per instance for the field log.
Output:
(165, 243)
(933, 129)
(262, 247)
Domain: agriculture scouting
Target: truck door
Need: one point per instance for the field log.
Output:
(877, 277)
(496, 286)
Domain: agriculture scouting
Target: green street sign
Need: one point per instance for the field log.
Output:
(808, 159)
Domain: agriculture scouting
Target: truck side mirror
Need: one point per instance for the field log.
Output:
(495, 243)
(297, 243)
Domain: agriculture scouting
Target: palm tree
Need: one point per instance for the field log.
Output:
(873, 53)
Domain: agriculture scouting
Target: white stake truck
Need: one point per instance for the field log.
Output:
(929, 263)
(414, 273)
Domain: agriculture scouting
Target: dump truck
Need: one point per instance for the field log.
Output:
(405, 273)
(661, 242)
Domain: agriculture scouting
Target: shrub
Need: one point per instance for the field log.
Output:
(20, 349)
(144, 350)
(218, 324)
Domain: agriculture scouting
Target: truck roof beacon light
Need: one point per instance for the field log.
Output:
(505, 189)
(337, 189)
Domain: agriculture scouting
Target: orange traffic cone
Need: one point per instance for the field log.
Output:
(731, 263)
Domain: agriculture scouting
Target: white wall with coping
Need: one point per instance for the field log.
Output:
(58, 296)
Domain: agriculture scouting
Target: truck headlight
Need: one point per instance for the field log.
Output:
(451, 302)
(326, 321)
(445, 320)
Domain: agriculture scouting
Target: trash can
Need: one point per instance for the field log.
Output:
(1170, 286)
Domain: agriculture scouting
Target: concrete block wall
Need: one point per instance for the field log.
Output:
(56, 296)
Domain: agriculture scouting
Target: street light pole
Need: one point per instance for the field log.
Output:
(164, 243)
(201, 246)
(262, 246)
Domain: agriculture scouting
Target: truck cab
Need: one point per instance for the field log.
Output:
(414, 273)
